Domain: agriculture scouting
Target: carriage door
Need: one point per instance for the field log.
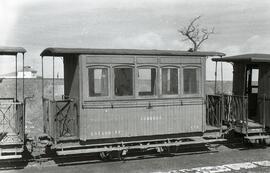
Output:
(264, 94)
(252, 75)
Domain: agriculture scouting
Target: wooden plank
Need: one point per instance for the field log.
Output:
(147, 60)
(109, 59)
(180, 60)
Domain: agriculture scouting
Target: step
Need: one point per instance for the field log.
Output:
(11, 150)
(256, 130)
(249, 131)
(9, 157)
(257, 137)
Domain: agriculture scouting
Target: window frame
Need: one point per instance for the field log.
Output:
(109, 82)
(199, 76)
(161, 95)
(157, 88)
(113, 82)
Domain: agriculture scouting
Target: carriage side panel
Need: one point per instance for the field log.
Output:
(135, 118)
(114, 117)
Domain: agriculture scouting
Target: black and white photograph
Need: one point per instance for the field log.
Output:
(134, 86)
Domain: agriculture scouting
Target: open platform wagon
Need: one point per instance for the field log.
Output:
(12, 118)
(247, 109)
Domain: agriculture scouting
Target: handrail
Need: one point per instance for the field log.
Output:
(63, 100)
(264, 118)
(7, 98)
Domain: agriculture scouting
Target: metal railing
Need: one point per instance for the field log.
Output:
(236, 109)
(227, 109)
(60, 118)
(213, 110)
(11, 121)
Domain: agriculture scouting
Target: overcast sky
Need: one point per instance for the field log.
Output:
(241, 26)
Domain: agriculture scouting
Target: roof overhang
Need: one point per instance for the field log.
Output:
(11, 50)
(53, 51)
(246, 58)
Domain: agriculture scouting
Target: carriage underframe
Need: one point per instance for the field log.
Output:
(64, 143)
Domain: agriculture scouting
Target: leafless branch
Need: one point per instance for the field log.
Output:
(195, 34)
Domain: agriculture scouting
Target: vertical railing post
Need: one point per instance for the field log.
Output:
(23, 99)
(16, 78)
(42, 79)
(246, 113)
(264, 118)
(222, 113)
(53, 77)
(206, 108)
(23, 77)
(216, 79)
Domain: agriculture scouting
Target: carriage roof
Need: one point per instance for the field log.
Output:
(11, 50)
(256, 58)
(77, 51)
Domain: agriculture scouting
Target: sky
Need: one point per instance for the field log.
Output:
(241, 26)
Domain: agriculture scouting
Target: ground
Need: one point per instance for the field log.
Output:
(224, 158)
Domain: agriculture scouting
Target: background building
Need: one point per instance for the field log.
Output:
(28, 72)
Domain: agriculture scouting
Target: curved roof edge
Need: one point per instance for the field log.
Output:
(11, 50)
(53, 51)
(254, 57)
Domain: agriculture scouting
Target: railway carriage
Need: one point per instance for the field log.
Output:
(116, 100)
(12, 118)
(247, 110)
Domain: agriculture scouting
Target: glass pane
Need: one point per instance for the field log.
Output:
(169, 81)
(147, 82)
(190, 81)
(123, 81)
(98, 81)
(254, 90)
(255, 77)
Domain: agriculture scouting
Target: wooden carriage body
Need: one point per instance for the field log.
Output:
(116, 95)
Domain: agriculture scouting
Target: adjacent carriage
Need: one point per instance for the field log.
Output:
(115, 100)
(12, 118)
(247, 110)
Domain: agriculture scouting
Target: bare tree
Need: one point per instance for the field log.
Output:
(195, 34)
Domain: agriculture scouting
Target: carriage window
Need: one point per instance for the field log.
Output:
(123, 81)
(169, 81)
(147, 81)
(190, 81)
(98, 82)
